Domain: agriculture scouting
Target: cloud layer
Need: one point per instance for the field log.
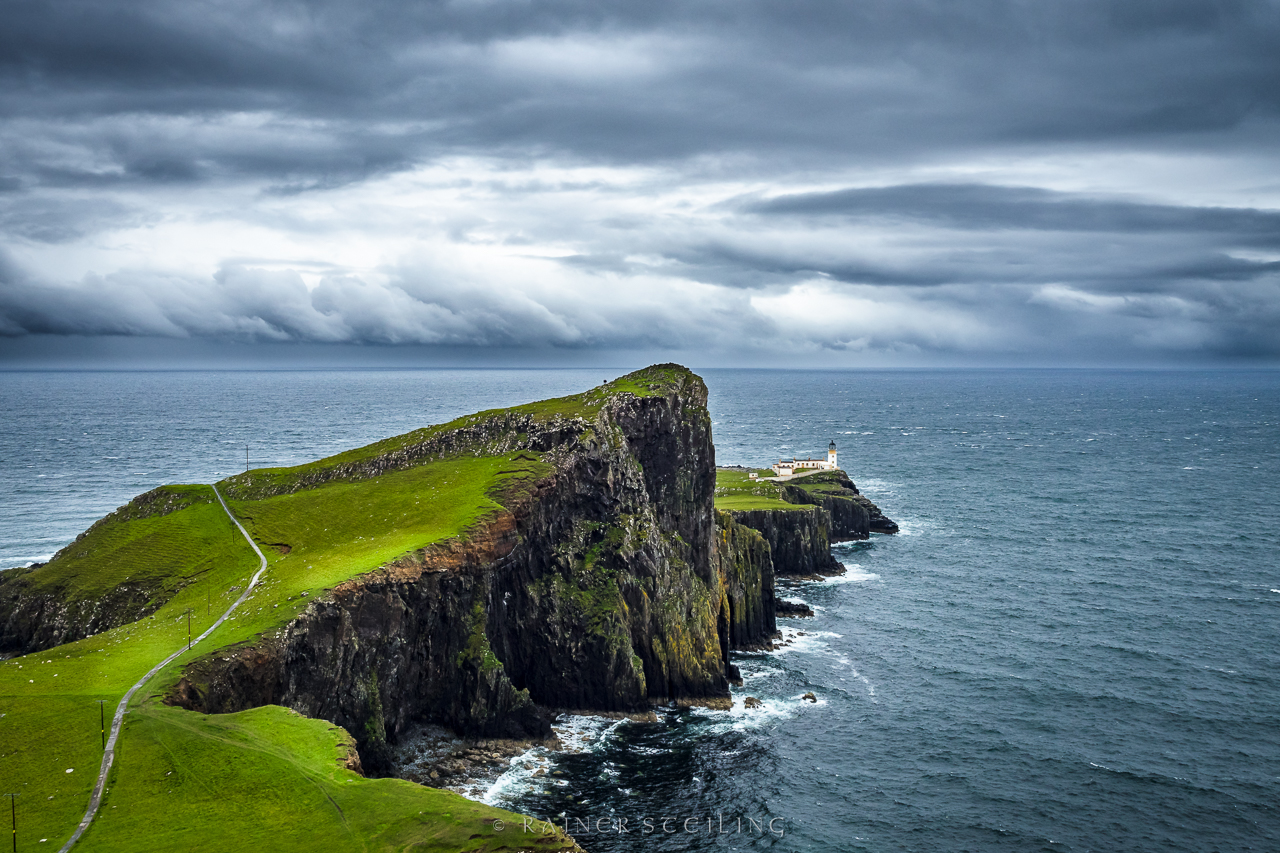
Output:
(814, 182)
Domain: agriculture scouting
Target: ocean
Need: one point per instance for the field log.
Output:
(1071, 645)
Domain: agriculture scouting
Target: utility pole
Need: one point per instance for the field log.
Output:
(188, 629)
(102, 721)
(246, 457)
(13, 814)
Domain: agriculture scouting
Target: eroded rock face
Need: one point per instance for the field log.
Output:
(799, 539)
(32, 621)
(853, 515)
(745, 565)
(596, 591)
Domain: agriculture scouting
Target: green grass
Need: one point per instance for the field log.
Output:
(736, 490)
(335, 532)
(264, 779)
(651, 381)
(339, 530)
(137, 545)
(822, 481)
(269, 779)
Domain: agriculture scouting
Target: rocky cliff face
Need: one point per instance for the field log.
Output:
(745, 566)
(849, 518)
(594, 590)
(32, 620)
(853, 515)
(799, 539)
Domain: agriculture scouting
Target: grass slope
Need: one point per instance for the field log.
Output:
(339, 530)
(261, 761)
(651, 381)
(736, 490)
(161, 541)
(269, 779)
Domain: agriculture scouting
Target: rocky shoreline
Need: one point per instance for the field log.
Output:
(609, 583)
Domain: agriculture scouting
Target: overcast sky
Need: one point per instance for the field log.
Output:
(790, 183)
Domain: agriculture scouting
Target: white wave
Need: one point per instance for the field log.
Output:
(918, 526)
(800, 640)
(880, 487)
(756, 674)
(853, 573)
(1276, 590)
(742, 718)
(519, 778)
(576, 733)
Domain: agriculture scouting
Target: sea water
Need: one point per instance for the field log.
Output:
(1071, 645)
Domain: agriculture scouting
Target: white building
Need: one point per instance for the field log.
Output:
(787, 467)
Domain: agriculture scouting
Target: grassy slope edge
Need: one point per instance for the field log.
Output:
(186, 556)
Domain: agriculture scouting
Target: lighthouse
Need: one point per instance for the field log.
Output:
(831, 456)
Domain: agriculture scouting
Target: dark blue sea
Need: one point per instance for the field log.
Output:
(1071, 645)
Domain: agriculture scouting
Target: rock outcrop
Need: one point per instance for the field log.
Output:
(597, 589)
(32, 620)
(745, 567)
(853, 515)
(799, 539)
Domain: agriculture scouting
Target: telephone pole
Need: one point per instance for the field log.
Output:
(13, 814)
(102, 721)
(246, 457)
(188, 629)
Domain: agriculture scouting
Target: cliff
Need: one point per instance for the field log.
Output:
(744, 563)
(853, 515)
(799, 538)
(569, 558)
(593, 587)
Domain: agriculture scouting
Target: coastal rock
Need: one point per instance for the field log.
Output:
(853, 515)
(596, 590)
(799, 539)
(793, 609)
(745, 566)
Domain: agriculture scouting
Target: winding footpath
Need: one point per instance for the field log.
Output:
(118, 720)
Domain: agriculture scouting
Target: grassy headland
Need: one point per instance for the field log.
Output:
(265, 779)
(735, 490)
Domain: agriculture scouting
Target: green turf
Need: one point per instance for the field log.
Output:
(335, 531)
(140, 544)
(269, 779)
(264, 779)
(736, 490)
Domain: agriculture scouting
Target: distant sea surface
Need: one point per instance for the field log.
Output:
(1074, 643)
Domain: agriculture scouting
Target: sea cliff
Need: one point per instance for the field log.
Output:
(593, 588)
(590, 570)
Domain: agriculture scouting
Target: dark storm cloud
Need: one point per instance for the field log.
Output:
(981, 207)
(115, 114)
(627, 81)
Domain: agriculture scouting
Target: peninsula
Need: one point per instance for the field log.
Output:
(575, 554)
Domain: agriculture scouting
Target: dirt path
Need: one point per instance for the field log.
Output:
(118, 720)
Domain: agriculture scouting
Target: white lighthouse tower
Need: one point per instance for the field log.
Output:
(831, 456)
